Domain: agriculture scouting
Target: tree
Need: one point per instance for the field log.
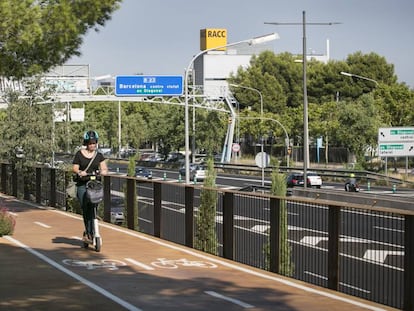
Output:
(131, 173)
(210, 130)
(38, 35)
(359, 125)
(395, 103)
(206, 236)
(286, 266)
(26, 130)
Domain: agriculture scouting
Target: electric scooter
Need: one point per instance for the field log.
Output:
(96, 186)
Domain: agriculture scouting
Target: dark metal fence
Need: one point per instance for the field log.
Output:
(355, 249)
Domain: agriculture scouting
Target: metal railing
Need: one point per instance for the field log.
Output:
(356, 249)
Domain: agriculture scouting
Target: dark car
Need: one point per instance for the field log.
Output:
(295, 180)
(143, 172)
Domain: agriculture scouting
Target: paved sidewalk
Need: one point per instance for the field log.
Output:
(44, 267)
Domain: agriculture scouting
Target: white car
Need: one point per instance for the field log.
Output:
(197, 171)
(117, 211)
(117, 215)
(314, 180)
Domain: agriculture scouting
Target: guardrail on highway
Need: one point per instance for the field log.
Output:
(333, 174)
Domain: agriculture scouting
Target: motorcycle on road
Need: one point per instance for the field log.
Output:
(352, 186)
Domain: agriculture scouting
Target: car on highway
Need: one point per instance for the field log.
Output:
(297, 180)
(175, 157)
(117, 211)
(143, 172)
(294, 180)
(197, 171)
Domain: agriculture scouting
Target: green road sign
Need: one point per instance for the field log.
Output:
(396, 149)
(396, 134)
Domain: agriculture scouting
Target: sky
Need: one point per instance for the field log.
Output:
(160, 37)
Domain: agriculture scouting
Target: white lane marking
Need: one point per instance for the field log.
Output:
(388, 229)
(314, 240)
(260, 228)
(219, 218)
(139, 264)
(232, 300)
(343, 284)
(88, 283)
(42, 224)
(380, 255)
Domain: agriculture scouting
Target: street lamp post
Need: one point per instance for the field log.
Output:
(261, 115)
(262, 118)
(305, 94)
(253, 41)
(357, 76)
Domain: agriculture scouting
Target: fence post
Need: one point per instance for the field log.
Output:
(38, 185)
(408, 263)
(4, 177)
(130, 203)
(107, 198)
(333, 247)
(157, 196)
(14, 181)
(53, 187)
(189, 216)
(228, 225)
(274, 237)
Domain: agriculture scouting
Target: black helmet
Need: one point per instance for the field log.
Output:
(90, 136)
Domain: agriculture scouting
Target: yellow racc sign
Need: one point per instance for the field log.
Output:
(213, 37)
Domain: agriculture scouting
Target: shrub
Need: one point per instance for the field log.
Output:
(7, 222)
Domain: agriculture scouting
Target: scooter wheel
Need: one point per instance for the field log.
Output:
(85, 245)
(98, 244)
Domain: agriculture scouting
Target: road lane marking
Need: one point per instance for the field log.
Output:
(110, 264)
(380, 255)
(42, 224)
(260, 228)
(314, 240)
(388, 229)
(139, 264)
(343, 284)
(232, 300)
(81, 279)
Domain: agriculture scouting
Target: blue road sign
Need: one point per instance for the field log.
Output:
(148, 85)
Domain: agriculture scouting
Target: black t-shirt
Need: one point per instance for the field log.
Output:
(83, 162)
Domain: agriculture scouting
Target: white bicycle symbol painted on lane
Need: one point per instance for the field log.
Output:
(110, 264)
(175, 263)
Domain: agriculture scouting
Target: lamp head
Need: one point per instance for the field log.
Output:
(264, 39)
